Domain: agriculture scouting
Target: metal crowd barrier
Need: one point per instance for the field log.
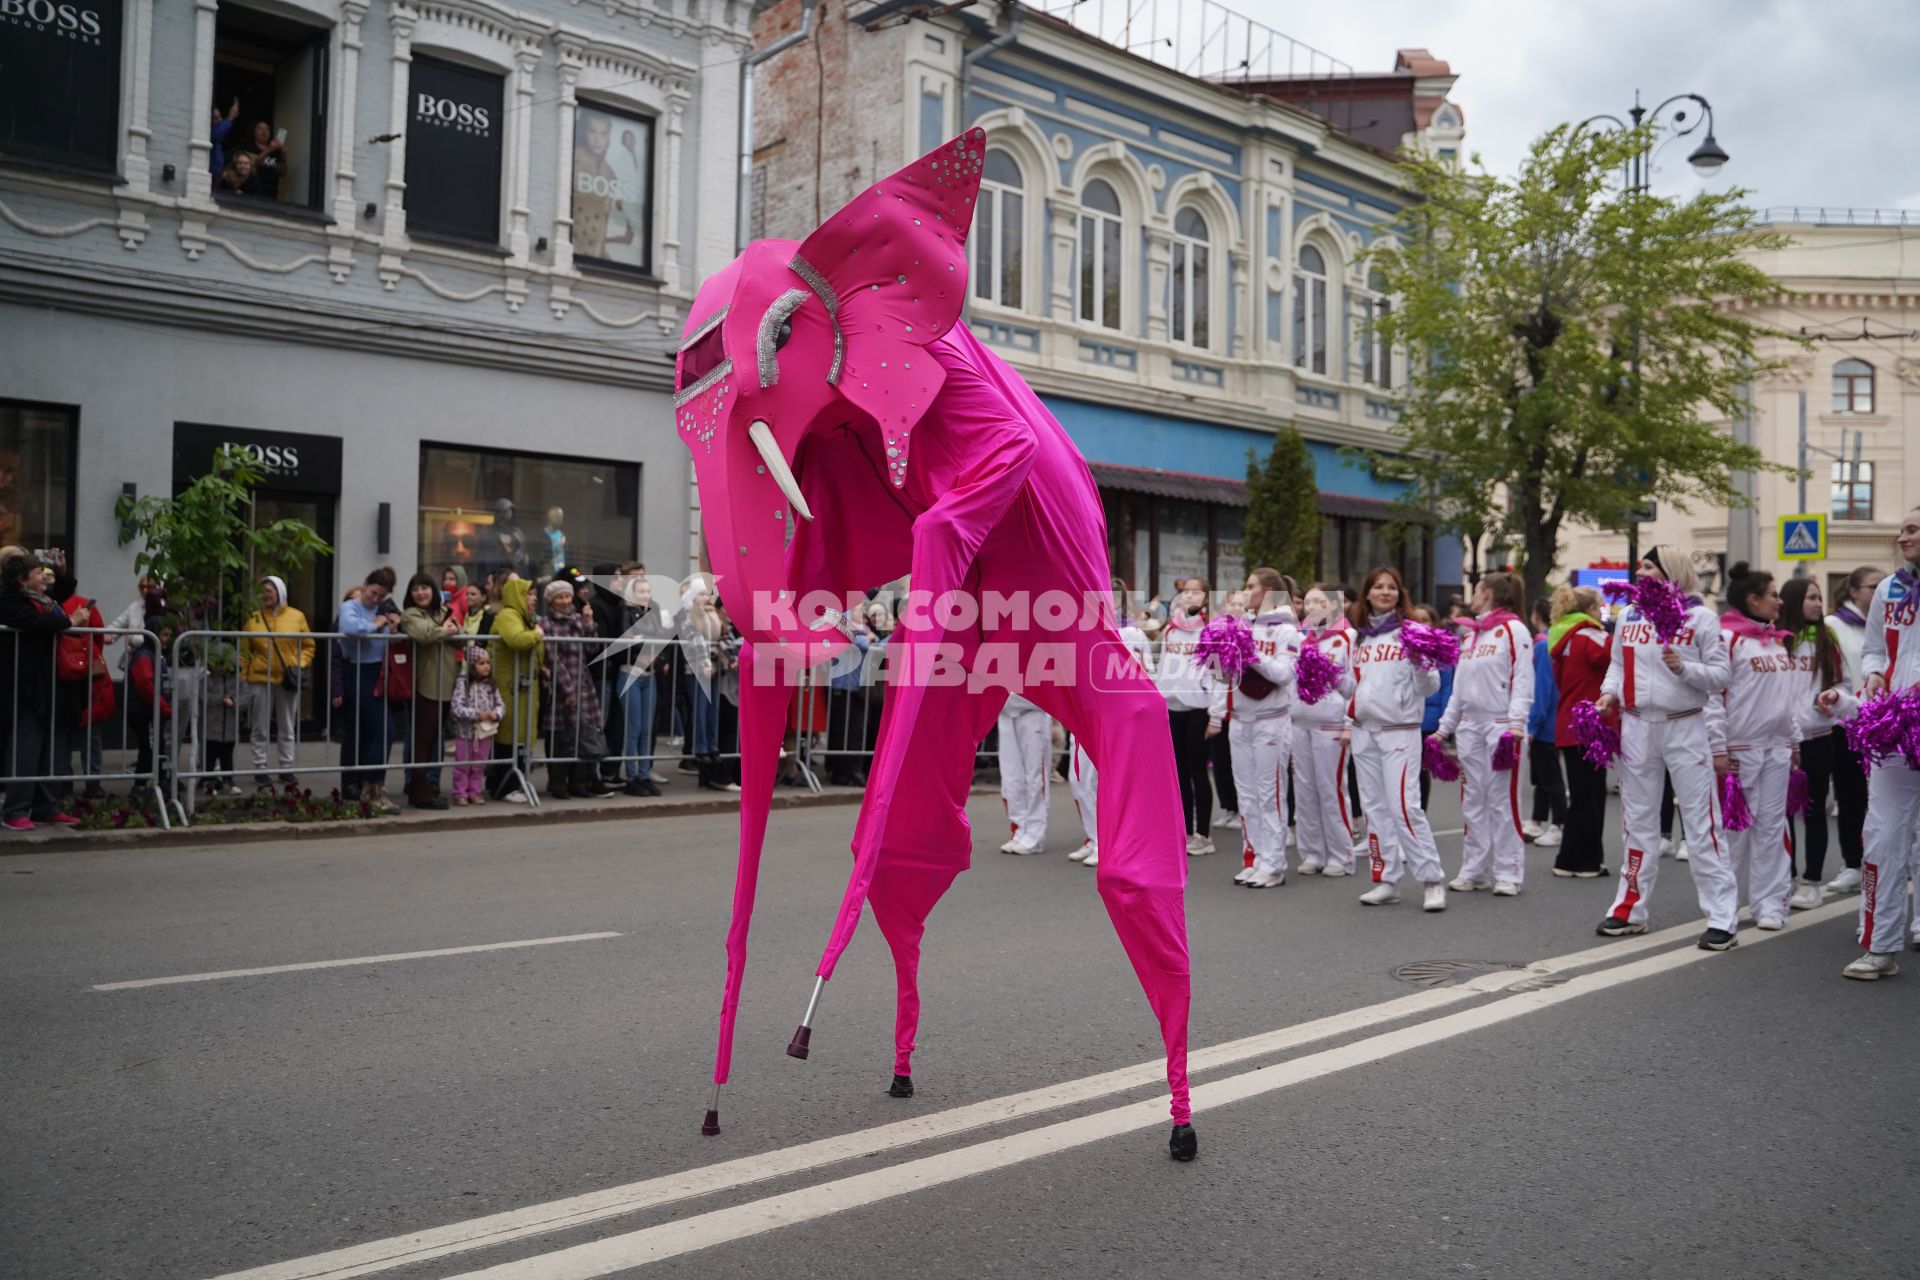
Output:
(42, 735)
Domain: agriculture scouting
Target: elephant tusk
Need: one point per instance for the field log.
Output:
(762, 436)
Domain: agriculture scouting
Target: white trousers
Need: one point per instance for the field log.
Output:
(1893, 818)
(1260, 750)
(1322, 827)
(1650, 751)
(269, 703)
(1026, 740)
(1762, 856)
(1492, 847)
(1398, 837)
(1085, 780)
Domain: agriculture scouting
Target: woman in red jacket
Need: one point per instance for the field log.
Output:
(1580, 648)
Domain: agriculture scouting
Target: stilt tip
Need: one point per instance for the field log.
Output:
(710, 1127)
(797, 1047)
(1184, 1145)
(902, 1087)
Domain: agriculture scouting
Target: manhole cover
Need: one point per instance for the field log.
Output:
(1450, 973)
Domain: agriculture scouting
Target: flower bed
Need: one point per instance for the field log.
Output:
(268, 804)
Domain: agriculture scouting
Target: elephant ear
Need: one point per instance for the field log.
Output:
(892, 267)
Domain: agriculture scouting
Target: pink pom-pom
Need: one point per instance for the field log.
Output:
(1656, 600)
(1227, 644)
(1734, 814)
(1429, 648)
(1315, 674)
(1599, 741)
(1887, 726)
(1798, 799)
(1440, 762)
(1506, 753)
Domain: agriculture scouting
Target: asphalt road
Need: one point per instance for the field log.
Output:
(1634, 1108)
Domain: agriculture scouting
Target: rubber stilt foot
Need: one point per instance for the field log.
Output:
(710, 1127)
(902, 1087)
(1184, 1144)
(797, 1047)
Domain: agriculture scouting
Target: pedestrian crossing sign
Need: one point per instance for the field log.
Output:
(1803, 537)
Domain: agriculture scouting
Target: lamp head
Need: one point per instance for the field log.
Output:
(1707, 158)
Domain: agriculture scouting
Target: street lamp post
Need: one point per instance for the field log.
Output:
(1706, 161)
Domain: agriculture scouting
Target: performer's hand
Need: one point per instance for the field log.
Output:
(1344, 737)
(1723, 765)
(1671, 658)
(1796, 759)
(1875, 684)
(1827, 701)
(1213, 730)
(1605, 703)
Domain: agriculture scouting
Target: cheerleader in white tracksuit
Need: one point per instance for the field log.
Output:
(1754, 726)
(1188, 689)
(1323, 828)
(1026, 750)
(1890, 659)
(1662, 690)
(1258, 726)
(1083, 777)
(1492, 695)
(1388, 696)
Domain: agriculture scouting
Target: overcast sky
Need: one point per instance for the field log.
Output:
(1816, 101)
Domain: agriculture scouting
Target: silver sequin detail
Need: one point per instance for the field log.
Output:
(832, 617)
(831, 301)
(706, 327)
(764, 349)
(706, 383)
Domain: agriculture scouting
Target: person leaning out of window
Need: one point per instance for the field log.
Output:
(273, 671)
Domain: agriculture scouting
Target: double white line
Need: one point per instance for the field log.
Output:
(705, 1230)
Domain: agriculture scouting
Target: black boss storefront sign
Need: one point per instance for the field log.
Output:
(454, 127)
(292, 462)
(60, 82)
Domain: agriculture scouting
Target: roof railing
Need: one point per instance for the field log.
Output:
(1198, 38)
(1824, 216)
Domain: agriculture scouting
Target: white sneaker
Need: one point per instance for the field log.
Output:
(1192, 841)
(1870, 966)
(516, 797)
(1436, 899)
(1310, 868)
(1460, 884)
(1666, 846)
(1770, 923)
(1680, 853)
(1381, 895)
(1227, 818)
(1263, 881)
(1290, 840)
(1833, 807)
(1530, 830)
(1549, 839)
(1010, 846)
(1806, 896)
(1243, 875)
(1020, 850)
(1081, 852)
(1091, 860)
(1848, 881)
(1200, 847)
(1505, 889)
(1331, 871)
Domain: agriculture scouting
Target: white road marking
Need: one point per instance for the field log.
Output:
(613, 1202)
(341, 964)
(703, 1231)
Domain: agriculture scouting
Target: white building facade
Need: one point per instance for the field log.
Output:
(440, 303)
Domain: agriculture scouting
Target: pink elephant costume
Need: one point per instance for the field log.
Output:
(847, 429)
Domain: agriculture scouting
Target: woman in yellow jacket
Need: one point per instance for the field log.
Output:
(274, 671)
(518, 658)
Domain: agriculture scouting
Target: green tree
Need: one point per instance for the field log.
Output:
(1565, 340)
(1283, 509)
(204, 544)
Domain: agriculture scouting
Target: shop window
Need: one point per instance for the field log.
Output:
(1853, 387)
(269, 108)
(36, 475)
(490, 511)
(1099, 254)
(60, 84)
(1229, 526)
(999, 225)
(1184, 543)
(455, 123)
(613, 187)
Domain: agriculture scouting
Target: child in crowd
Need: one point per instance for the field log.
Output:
(477, 709)
(220, 724)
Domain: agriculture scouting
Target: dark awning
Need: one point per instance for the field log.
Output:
(1231, 493)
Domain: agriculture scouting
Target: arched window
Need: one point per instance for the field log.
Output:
(1099, 265)
(998, 230)
(1376, 357)
(1852, 490)
(1853, 387)
(1310, 311)
(1189, 311)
